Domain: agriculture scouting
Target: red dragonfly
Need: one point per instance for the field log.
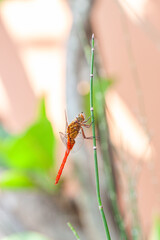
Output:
(68, 138)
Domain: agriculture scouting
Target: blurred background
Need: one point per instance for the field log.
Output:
(44, 70)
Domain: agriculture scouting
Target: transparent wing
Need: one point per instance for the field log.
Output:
(63, 138)
(66, 121)
(78, 142)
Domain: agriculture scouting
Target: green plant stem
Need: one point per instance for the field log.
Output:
(94, 145)
(104, 137)
(73, 230)
(104, 141)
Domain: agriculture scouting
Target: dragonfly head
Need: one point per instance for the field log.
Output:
(80, 117)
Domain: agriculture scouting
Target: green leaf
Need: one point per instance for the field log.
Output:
(32, 150)
(42, 109)
(26, 236)
(13, 179)
(155, 233)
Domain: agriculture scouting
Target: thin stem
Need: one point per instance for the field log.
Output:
(104, 134)
(94, 144)
(73, 230)
(104, 137)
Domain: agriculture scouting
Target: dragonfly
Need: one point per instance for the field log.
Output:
(68, 138)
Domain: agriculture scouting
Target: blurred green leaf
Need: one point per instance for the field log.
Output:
(31, 150)
(34, 148)
(13, 179)
(42, 109)
(26, 236)
(29, 156)
(155, 233)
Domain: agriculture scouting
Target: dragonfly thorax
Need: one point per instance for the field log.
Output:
(73, 129)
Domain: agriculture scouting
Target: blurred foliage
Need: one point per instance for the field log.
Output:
(26, 236)
(105, 84)
(155, 234)
(3, 133)
(29, 157)
(14, 179)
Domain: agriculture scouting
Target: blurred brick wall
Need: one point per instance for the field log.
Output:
(128, 39)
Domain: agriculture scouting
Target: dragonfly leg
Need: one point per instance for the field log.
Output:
(86, 125)
(86, 120)
(84, 136)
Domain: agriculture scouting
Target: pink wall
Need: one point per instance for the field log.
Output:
(129, 46)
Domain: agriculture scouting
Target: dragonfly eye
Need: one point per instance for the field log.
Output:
(80, 117)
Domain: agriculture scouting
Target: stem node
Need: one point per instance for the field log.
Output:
(100, 207)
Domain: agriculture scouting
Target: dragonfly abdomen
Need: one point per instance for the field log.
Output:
(70, 143)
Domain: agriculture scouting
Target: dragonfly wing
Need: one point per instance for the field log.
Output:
(66, 121)
(63, 138)
(78, 142)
